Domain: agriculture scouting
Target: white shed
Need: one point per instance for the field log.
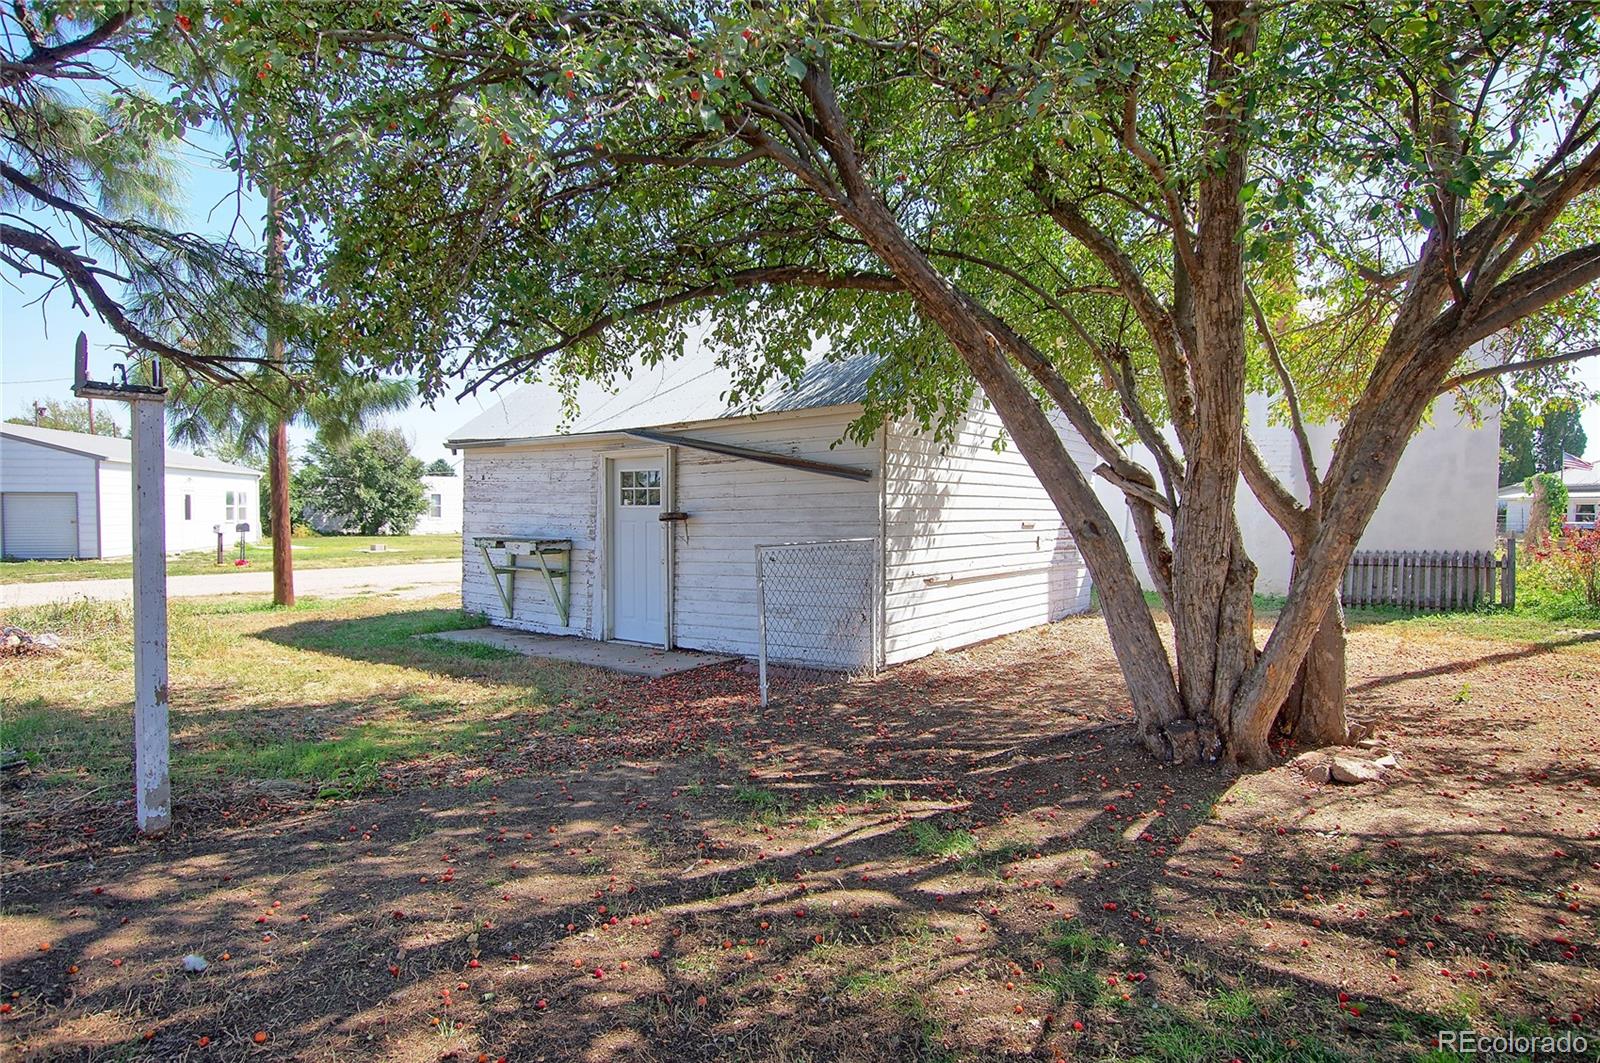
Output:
(664, 492)
(70, 494)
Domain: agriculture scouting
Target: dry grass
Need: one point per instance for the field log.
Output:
(962, 859)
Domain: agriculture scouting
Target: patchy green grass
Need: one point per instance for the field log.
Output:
(328, 694)
(608, 823)
(927, 838)
(760, 804)
(317, 551)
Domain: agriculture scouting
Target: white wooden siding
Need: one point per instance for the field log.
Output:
(553, 491)
(735, 505)
(30, 467)
(544, 492)
(973, 547)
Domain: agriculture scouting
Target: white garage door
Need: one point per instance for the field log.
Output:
(38, 525)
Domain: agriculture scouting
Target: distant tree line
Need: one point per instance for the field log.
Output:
(69, 416)
(1535, 439)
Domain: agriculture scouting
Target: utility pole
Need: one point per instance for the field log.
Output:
(152, 787)
(278, 445)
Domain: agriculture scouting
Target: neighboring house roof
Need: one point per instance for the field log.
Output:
(1578, 481)
(676, 392)
(110, 448)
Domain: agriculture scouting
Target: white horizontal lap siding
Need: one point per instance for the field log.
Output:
(974, 548)
(30, 468)
(448, 488)
(207, 495)
(734, 505)
(544, 492)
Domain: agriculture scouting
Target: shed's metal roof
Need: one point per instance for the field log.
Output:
(683, 391)
(110, 448)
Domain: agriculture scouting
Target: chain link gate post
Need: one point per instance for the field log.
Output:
(817, 606)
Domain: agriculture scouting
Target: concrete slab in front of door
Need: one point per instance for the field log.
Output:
(629, 659)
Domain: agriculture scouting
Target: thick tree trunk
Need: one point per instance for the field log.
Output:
(1365, 456)
(1322, 707)
(1538, 529)
(1314, 714)
(1212, 578)
(282, 522)
(1162, 726)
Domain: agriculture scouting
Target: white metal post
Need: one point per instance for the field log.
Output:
(761, 623)
(151, 781)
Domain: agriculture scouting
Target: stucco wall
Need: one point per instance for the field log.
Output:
(1442, 497)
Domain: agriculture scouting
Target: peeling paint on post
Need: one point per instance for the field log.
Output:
(152, 784)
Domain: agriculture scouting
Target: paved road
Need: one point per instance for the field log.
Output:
(421, 580)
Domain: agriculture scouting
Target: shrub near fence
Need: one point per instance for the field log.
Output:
(1432, 580)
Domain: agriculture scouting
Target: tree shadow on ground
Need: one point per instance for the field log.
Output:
(666, 870)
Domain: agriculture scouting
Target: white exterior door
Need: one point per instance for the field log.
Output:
(638, 580)
(38, 524)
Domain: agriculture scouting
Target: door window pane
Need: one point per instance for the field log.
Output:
(639, 487)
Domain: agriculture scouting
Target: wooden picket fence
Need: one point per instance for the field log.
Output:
(1433, 580)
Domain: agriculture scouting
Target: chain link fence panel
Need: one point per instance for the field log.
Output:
(817, 604)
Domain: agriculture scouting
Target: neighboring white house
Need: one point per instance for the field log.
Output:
(70, 494)
(1583, 499)
(443, 515)
(665, 492)
(1439, 498)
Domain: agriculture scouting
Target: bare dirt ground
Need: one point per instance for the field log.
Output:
(962, 859)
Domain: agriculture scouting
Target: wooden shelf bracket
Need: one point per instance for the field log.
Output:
(554, 564)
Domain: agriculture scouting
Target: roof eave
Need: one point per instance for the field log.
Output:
(455, 444)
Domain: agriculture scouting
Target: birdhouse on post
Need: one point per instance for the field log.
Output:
(152, 787)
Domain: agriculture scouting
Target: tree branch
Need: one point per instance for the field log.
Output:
(1157, 321)
(1291, 395)
(746, 278)
(44, 61)
(1526, 293)
(82, 275)
(1182, 238)
(1516, 367)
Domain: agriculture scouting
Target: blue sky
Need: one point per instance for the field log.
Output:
(36, 338)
